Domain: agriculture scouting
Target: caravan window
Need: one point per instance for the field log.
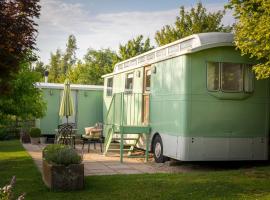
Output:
(229, 77)
(232, 77)
(129, 83)
(148, 80)
(213, 76)
(109, 86)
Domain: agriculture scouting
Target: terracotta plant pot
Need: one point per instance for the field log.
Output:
(60, 177)
(34, 140)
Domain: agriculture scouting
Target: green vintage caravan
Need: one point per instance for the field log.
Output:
(196, 98)
(87, 100)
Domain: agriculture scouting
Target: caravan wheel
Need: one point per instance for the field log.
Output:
(158, 150)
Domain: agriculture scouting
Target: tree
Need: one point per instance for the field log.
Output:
(40, 68)
(25, 100)
(69, 57)
(252, 32)
(96, 63)
(134, 47)
(62, 63)
(54, 67)
(198, 20)
(17, 37)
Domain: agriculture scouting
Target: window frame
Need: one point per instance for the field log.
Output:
(127, 90)
(220, 89)
(109, 90)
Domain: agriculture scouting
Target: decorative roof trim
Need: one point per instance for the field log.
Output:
(72, 86)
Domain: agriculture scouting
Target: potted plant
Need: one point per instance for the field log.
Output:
(62, 168)
(35, 134)
(43, 139)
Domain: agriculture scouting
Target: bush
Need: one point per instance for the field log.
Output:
(35, 132)
(4, 134)
(61, 155)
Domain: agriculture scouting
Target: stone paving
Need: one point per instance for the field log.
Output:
(95, 163)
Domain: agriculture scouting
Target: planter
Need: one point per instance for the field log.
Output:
(34, 140)
(60, 177)
(43, 140)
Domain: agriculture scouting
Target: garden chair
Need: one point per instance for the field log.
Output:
(65, 135)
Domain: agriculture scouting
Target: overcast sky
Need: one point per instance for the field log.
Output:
(107, 23)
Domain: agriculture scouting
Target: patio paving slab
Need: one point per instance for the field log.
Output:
(95, 163)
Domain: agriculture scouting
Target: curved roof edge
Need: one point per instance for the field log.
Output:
(190, 44)
(72, 86)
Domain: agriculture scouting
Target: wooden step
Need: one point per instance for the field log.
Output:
(124, 138)
(117, 149)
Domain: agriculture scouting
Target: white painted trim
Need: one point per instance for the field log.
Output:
(72, 86)
(199, 42)
(214, 149)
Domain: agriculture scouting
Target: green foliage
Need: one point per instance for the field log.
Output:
(252, 32)
(17, 38)
(62, 63)
(40, 68)
(61, 155)
(96, 63)
(198, 20)
(25, 100)
(4, 134)
(134, 47)
(35, 132)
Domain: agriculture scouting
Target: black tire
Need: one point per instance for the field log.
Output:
(158, 150)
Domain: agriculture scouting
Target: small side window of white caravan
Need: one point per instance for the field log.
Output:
(129, 83)
(213, 76)
(109, 86)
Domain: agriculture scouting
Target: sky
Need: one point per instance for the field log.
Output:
(100, 24)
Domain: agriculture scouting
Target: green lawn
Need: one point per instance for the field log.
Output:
(232, 184)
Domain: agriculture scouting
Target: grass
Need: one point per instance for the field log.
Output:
(251, 183)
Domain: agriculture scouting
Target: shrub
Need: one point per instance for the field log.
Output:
(61, 155)
(4, 134)
(6, 193)
(35, 132)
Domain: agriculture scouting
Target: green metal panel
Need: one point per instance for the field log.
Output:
(232, 117)
(169, 97)
(49, 123)
(89, 109)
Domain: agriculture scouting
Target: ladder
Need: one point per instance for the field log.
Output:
(123, 126)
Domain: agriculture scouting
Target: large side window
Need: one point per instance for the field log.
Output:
(232, 77)
(129, 83)
(109, 86)
(213, 76)
(229, 77)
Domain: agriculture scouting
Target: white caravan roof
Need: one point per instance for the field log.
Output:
(190, 44)
(72, 86)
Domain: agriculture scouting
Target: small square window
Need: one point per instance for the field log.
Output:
(109, 86)
(129, 83)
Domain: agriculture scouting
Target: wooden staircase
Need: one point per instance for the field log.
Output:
(122, 130)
